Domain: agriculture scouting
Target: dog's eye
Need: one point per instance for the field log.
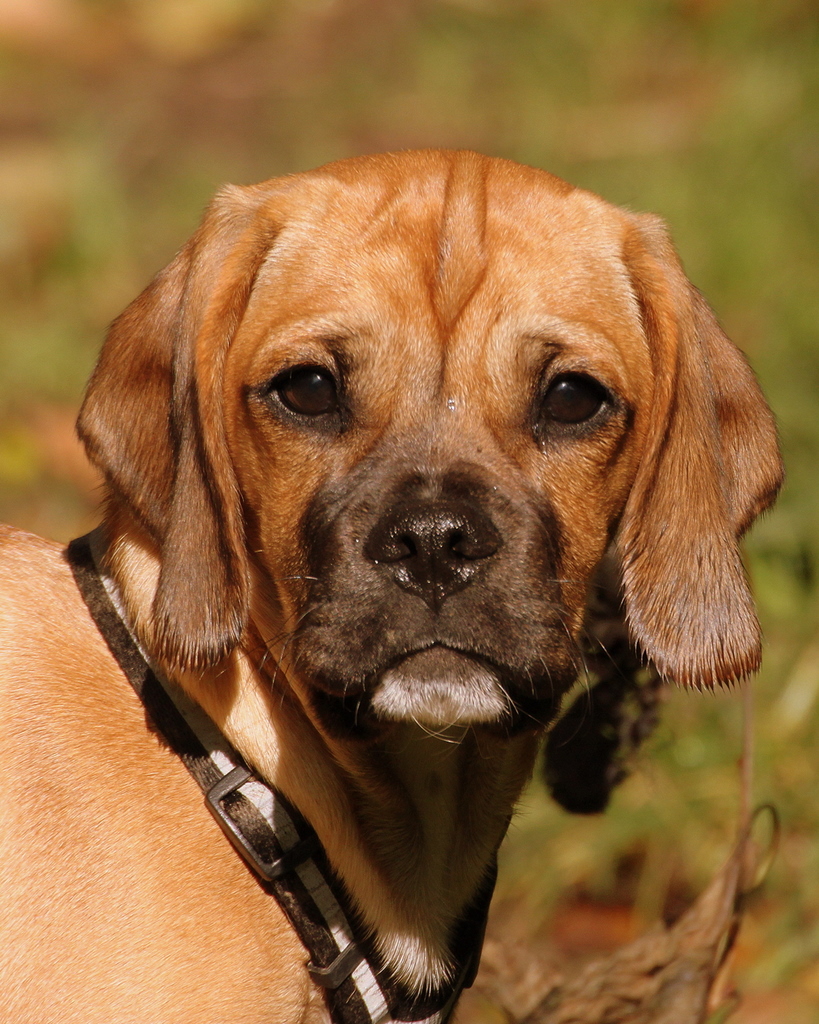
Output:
(307, 390)
(573, 398)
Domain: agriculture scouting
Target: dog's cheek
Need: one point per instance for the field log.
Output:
(588, 488)
(580, 563)
(276, 476)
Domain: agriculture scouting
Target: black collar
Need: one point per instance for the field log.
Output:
(277, 843)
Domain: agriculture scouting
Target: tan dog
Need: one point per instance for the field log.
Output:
(365, 441)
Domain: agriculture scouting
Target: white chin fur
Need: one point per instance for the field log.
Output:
(438, 688)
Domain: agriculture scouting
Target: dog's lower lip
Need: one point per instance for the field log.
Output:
(438, 686)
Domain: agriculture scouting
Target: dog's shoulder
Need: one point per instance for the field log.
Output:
(27, 561)
(49, 645)
(37, 592)
(17, 547)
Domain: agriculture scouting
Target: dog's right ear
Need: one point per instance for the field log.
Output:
(711, 464)
(152, 421)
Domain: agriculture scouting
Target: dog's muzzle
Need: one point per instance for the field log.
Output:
(438, 603)
(434, 550)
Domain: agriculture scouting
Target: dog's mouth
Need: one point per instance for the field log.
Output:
(436, 687)
(439, 687)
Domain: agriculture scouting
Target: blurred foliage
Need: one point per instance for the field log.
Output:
(119, 118)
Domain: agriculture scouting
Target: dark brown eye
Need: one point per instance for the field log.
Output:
(307, 390)
(573, 398)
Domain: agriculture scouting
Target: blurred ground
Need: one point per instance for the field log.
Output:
(119, 118)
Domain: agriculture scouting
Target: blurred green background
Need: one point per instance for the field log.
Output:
(119, 118)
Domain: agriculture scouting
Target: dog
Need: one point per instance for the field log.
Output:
(365, 442)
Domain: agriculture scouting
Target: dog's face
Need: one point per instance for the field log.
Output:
(433, 477)
(413, 399)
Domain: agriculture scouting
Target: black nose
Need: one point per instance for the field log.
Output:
(432, 548)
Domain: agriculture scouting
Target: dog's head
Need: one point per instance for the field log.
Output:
(394, 411)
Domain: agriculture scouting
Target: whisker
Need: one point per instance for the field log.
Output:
(440, 736)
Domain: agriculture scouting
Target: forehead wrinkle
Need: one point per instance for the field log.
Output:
(461, 248)
(398, 230)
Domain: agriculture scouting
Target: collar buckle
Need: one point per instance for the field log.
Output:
(339, 970)
(303, 850)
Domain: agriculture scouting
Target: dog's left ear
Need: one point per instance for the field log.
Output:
(711, 464)
(153, 423)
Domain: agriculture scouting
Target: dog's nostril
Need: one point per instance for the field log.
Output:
(474, 545)
(408, 546)
(395, 548)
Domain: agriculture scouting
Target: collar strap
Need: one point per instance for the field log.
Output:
(274, 839)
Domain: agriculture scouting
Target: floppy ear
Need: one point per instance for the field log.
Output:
(152, 421)
(711, 465)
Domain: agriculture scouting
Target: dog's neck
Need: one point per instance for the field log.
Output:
(410, 821)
